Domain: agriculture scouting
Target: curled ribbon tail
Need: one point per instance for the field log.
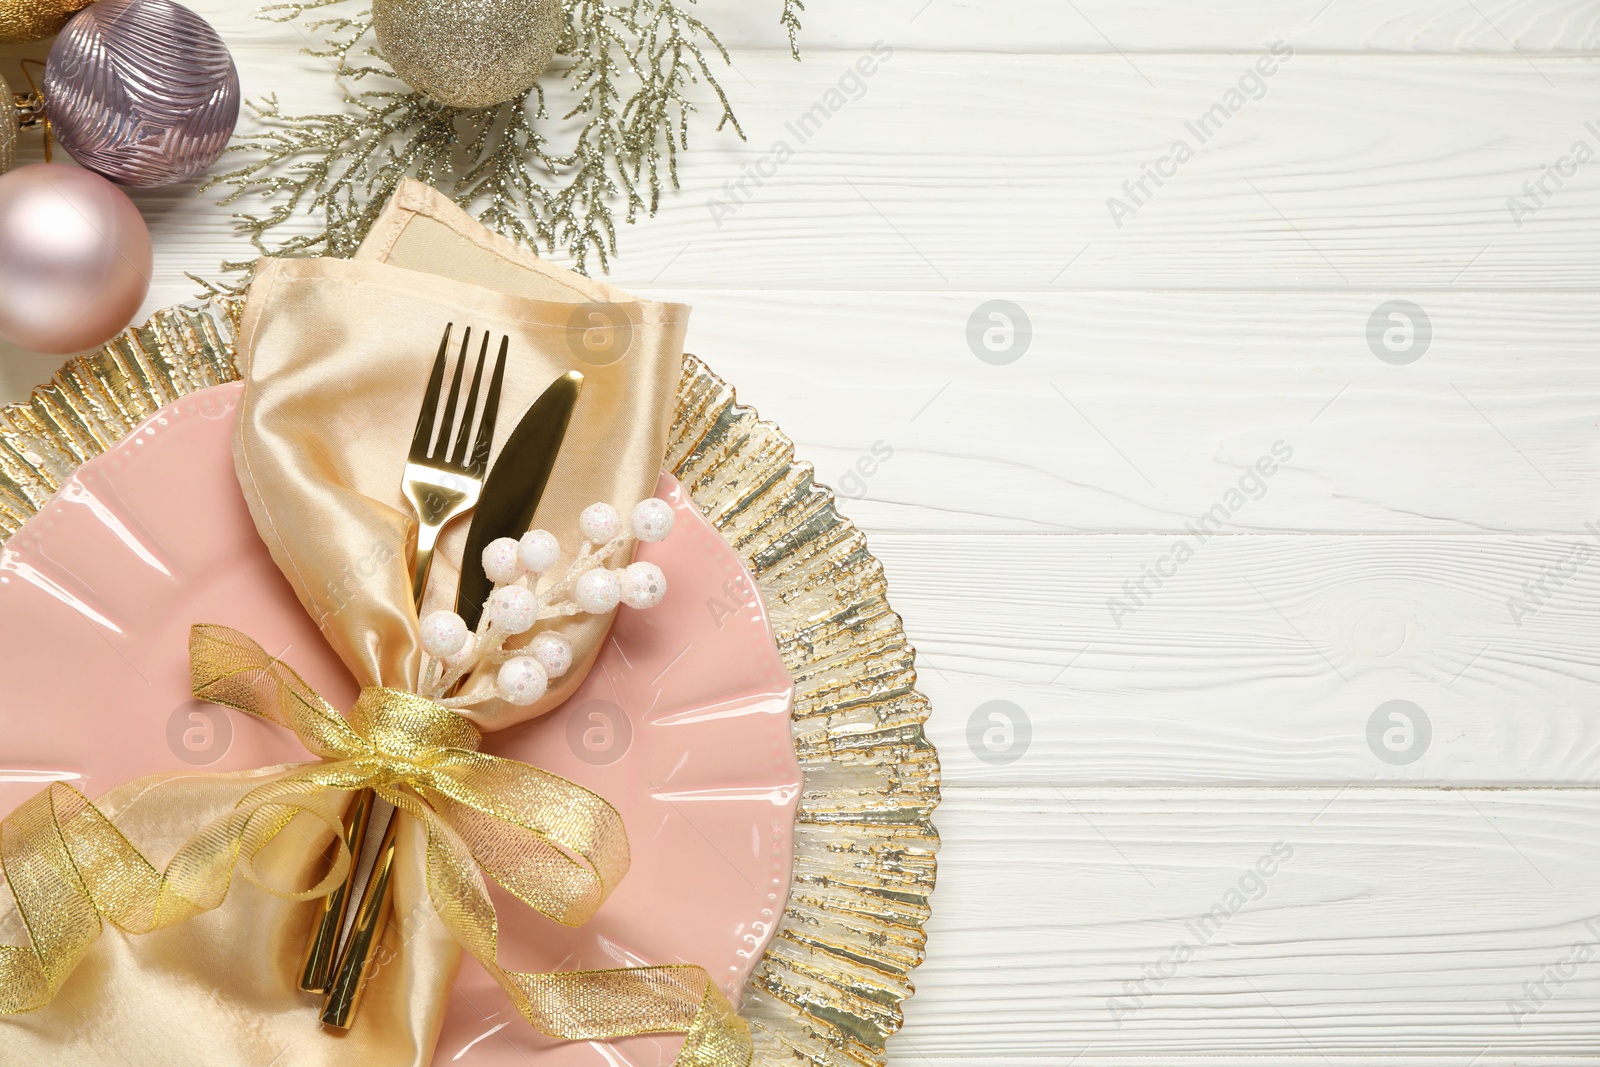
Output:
(71, 870)
(50, 896)
(640, 1000)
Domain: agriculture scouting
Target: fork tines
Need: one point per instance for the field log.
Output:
(435, 450)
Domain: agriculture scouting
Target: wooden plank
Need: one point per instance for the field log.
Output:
(955, 172)
(1267, 659)
(1132, 27)
(1139, 26)
(1344, 174)
(1367, 926)
(1141, 411)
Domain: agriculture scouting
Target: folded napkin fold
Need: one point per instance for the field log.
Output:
(335, 354)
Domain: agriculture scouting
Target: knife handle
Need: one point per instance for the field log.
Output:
(349, 981)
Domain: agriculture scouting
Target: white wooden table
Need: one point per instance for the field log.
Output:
(1194, 829)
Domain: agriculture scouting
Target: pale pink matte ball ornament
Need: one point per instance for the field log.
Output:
(75, 259)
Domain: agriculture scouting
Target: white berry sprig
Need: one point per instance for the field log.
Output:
(527, 591)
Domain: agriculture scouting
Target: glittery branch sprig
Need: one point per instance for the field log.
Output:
(791, 22)
(628, 72)
(529, 590)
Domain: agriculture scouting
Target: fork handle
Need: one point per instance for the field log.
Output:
(427, 539)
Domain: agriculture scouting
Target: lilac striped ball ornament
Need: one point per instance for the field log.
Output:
(142, 91)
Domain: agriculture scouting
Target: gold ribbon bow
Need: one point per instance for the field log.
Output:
(553, 844)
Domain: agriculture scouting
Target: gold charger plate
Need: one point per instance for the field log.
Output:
(830, 989)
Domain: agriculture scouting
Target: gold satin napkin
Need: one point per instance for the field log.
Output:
(335, 355)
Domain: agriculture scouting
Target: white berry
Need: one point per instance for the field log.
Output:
(599, 523)
(521, 681)
(652, 520)
(443, 633)
(512, 608)
(598, 591)
(643, 585)
(538, 550)
(464, 656)
(553, 652)
(500, 560)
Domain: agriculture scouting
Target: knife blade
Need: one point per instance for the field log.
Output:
(515, 484)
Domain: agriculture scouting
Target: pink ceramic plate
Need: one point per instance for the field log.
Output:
(683, 724)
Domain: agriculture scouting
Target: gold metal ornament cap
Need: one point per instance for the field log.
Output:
(34, 20)
(468, 53)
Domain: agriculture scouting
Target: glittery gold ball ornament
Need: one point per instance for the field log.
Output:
(8, 128)
(468, 53)
(34, 20)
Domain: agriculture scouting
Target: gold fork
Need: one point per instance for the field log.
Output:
(443, 481)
